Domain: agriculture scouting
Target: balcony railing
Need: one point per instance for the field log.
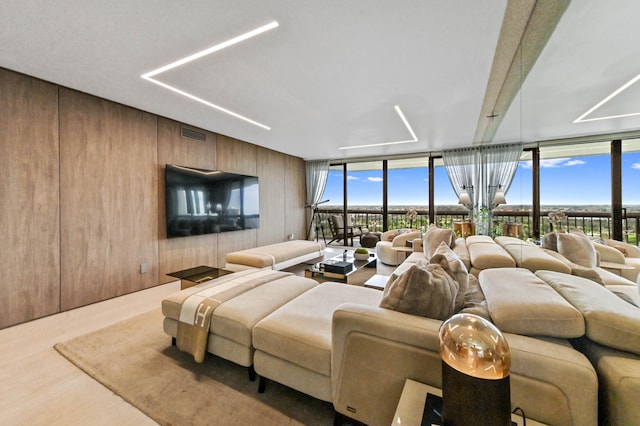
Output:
(593, 223)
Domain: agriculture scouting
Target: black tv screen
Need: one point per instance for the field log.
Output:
(205, 201)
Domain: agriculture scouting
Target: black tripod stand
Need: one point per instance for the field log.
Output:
(315, 218)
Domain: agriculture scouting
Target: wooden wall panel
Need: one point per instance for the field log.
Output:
(270, 167)
(109, 199)
(181, 253)
(235, 156)
(295, 194)
(29, 209)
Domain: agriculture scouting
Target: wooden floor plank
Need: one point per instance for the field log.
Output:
(40, 387)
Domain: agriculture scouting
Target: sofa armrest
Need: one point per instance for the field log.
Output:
(401, 240)
(609, 254)
(418, 245)
(375, 350)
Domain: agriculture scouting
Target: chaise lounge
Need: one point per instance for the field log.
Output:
(276, 256)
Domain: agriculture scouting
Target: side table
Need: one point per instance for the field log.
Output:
(411, 407)
(199, 274)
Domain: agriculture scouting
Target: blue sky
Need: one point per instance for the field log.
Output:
(563, 181)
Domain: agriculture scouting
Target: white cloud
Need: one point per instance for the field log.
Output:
(635, 166)
(374, 179)
(349, 177)
(552, 163)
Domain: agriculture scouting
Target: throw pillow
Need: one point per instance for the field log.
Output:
(452, 264)
(550, 241)
(392, 234)
(577, 247)
(474, 300)
(424, 290)
(629, 250)
(435, 236)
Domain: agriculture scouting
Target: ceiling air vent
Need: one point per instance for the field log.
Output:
(193, 134)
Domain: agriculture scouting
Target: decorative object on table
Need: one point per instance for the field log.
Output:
(338, 267)
(556, 218)
(475, 372)
(361, 254)
(412, 215)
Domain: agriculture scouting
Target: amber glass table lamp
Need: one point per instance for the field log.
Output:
(475, 372)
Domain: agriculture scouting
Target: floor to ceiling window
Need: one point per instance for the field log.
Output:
(577, 180)
(364, 193)
(519, 197)
(408, 191)
(631, 189)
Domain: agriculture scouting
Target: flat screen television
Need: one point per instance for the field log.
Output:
(206, 201)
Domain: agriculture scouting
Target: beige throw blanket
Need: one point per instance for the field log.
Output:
(196, 310)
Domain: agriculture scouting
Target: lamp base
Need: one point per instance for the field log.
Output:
(469, 400)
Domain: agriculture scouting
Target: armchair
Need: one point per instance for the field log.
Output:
(338, 229)
(621, 257)
(394, 247)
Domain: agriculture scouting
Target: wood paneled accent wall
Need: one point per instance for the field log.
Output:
(108, 199)
(29, 209)
(82, 198)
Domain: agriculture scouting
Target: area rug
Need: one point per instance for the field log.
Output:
(136, 361)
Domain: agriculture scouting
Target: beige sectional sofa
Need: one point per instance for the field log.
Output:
(334, 341)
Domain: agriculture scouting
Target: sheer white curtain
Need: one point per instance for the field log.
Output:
(463, 169)
(316, 174)
(500, 163)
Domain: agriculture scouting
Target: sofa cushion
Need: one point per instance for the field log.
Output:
(300, 331)
(486, 253)
(521, 303)
(577, 247)
(450, 261)
(580, 271)
(610, 320)
(435, 236)
(460, 248)
(424, 289)
(528, 255)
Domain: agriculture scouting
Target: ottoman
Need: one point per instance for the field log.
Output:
(232, 322)
(370, 240)
(293, 344)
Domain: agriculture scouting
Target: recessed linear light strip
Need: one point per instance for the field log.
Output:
(581, 119)
(148, 76)
(207, 103)
(406, 123)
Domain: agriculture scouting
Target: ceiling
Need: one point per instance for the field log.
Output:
(331, 73)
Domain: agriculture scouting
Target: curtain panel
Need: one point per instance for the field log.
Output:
(316, 174)
(463, 169)
(500, 163)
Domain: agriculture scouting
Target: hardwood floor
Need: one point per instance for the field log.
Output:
(40, 387)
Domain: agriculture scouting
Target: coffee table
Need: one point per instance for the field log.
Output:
(319, 269)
